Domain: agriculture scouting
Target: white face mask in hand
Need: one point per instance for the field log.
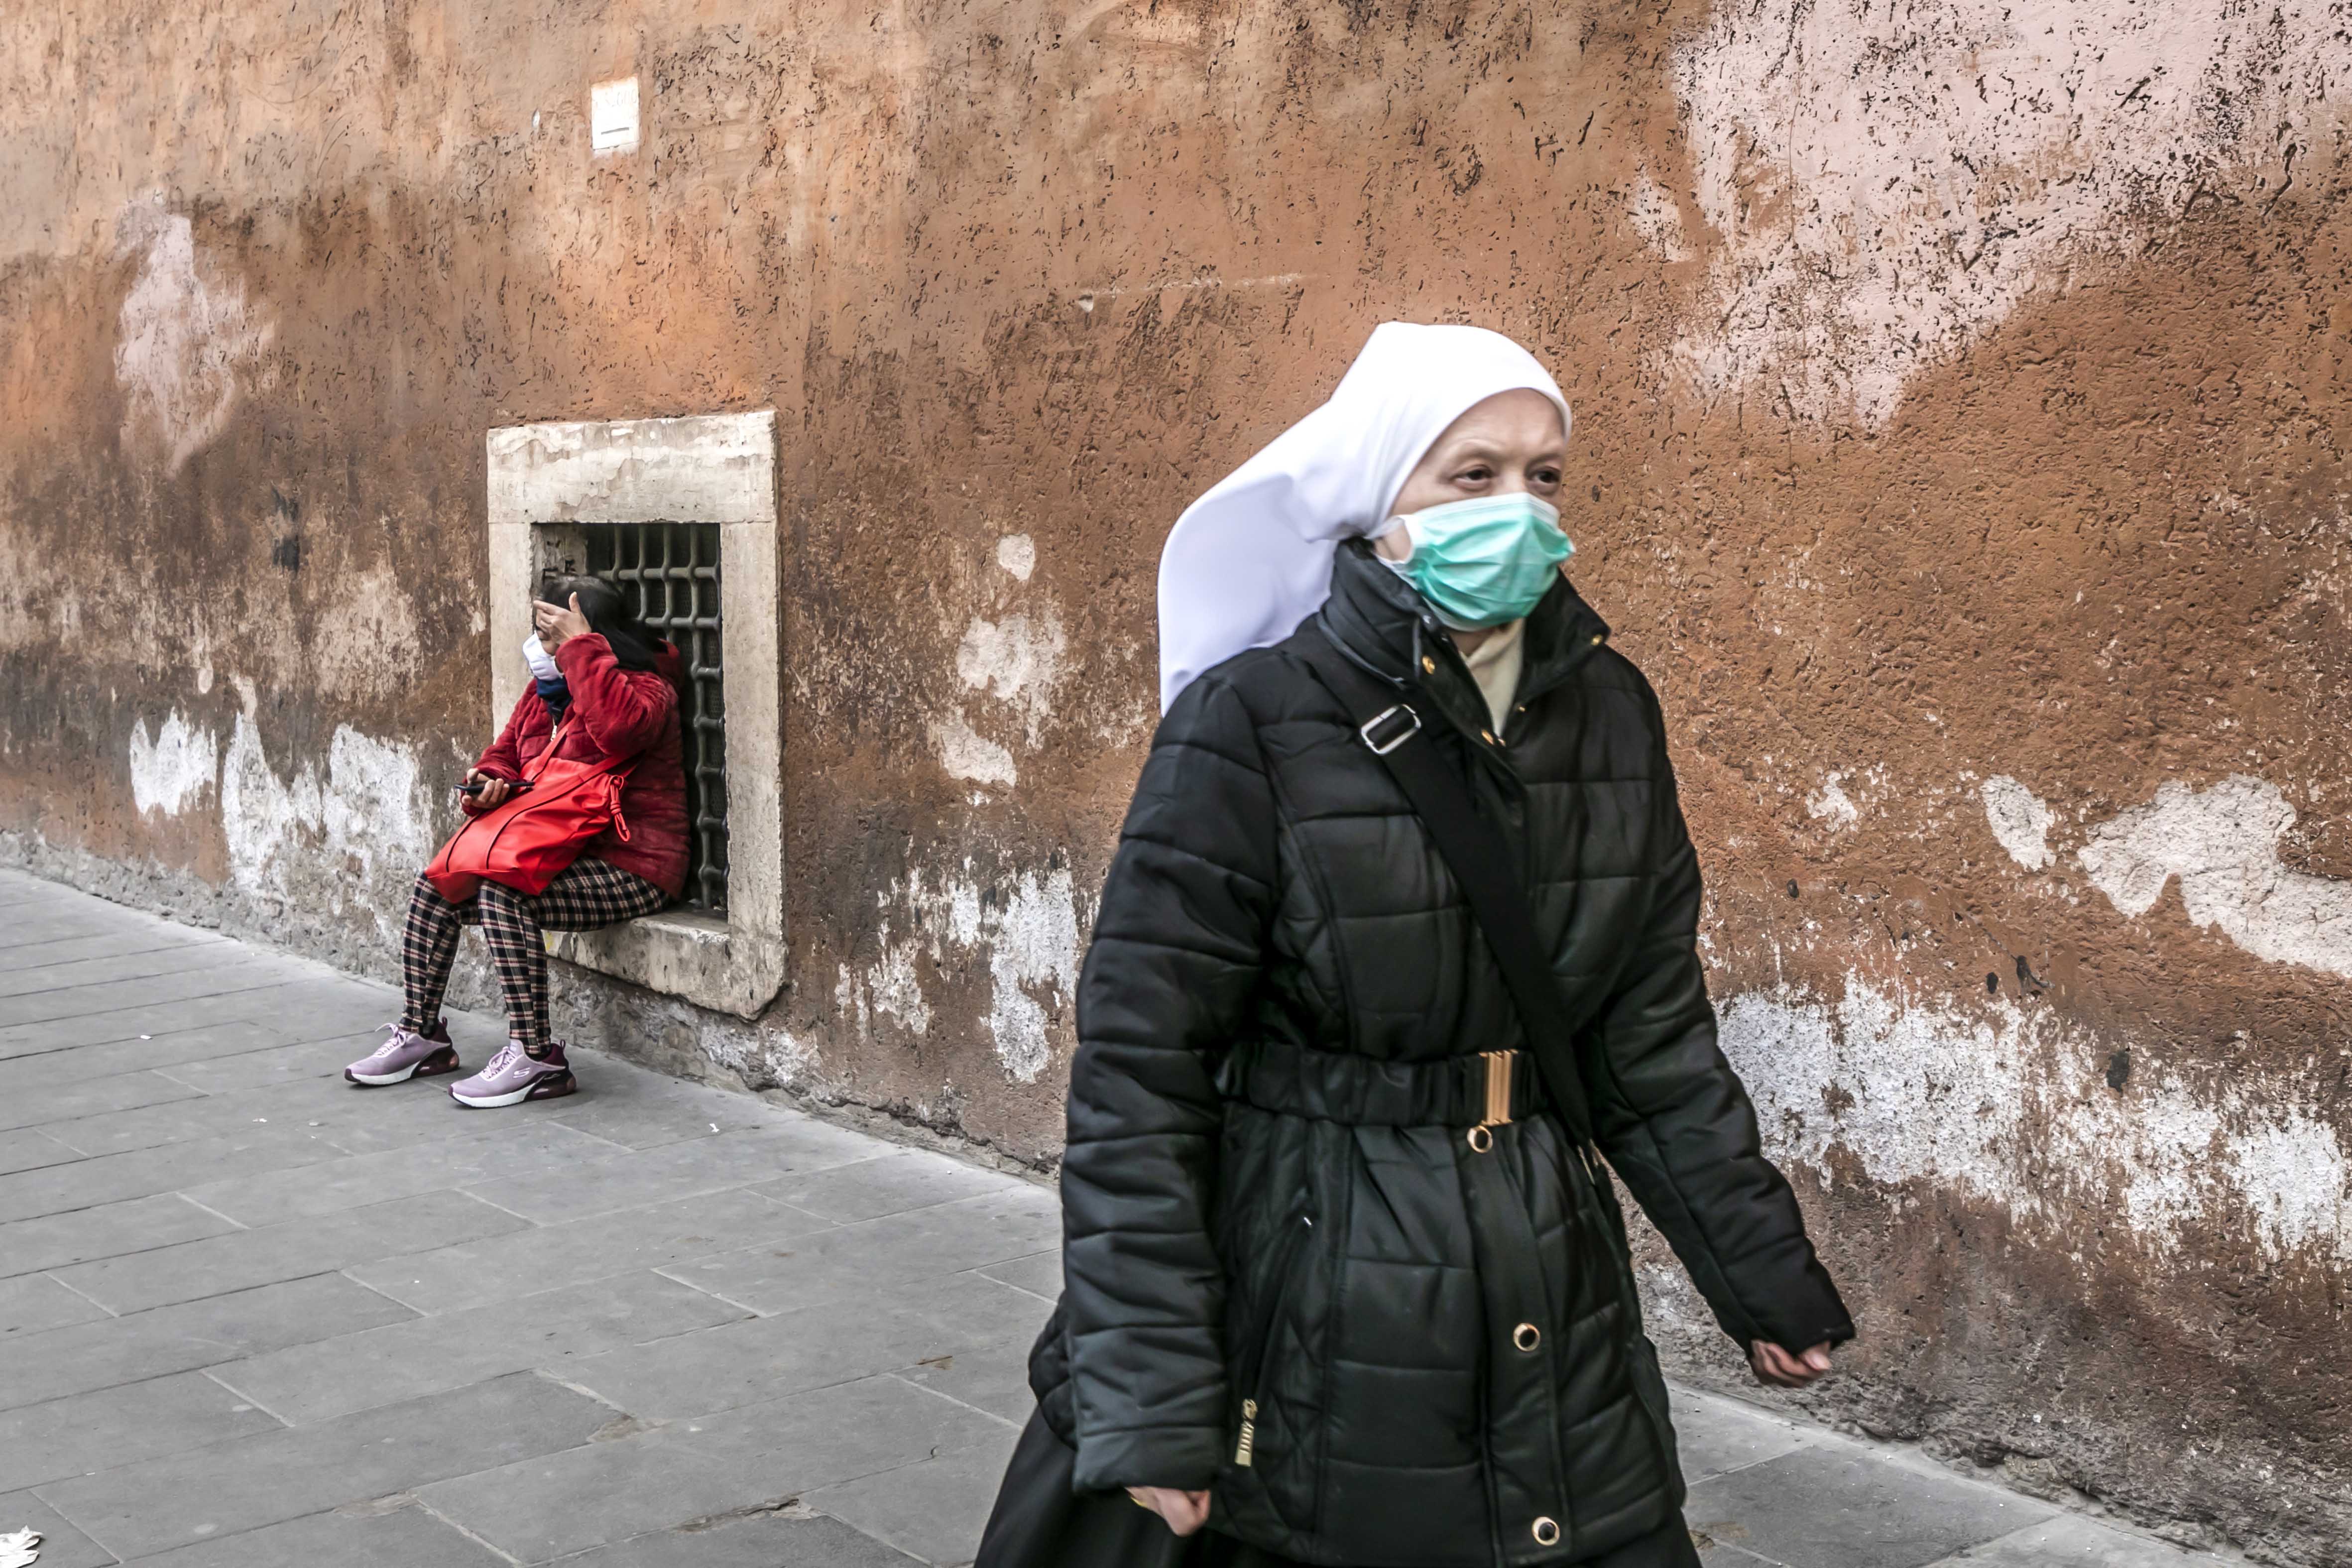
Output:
(542, 663)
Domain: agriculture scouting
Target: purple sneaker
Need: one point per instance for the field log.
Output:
(514, 1075)
(406, 1055)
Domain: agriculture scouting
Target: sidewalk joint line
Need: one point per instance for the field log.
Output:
(470, 1193)
(663, 1271)
(213, 1374)
(212, 1211)
(51, 1275)
(494, 1551)
(583, 1391)
(951, 1399)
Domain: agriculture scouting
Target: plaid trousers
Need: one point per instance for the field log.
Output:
(587, 894)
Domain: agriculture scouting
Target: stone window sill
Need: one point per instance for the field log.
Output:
(682, 954)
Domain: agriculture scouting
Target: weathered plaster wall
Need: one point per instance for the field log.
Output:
(1961, 446)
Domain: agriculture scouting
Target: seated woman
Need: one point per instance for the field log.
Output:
(605, 690)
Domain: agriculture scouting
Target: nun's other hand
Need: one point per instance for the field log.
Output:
(1777, 1367)
(556, 623)
(1184, 1511)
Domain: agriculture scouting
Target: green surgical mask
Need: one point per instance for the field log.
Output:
(1484, 562)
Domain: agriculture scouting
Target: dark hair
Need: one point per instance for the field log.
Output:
(633, 644)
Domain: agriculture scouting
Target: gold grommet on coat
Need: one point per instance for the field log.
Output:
(1527, 1336)
(1428, 665)
(1547, 1532)
(1480, 1141)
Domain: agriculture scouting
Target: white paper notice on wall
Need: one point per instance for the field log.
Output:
(612, 116)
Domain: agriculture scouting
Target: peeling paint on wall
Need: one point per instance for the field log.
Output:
(172, 768)
(2223, 843)
(1650, 209)
(2019, 820)
(361, 824)
(1028, 928)
(1017, 553)
(1831, 805)
(1032, 934)
(1018, 661)
(968, 755)
(1886, 183)
(2009, 1104)
(895, 989)
(189, 337)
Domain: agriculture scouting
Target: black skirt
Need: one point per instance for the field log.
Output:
(1039, 1523)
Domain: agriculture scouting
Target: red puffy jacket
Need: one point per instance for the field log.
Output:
(615, 714)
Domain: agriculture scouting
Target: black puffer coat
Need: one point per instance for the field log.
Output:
(1440, 1347)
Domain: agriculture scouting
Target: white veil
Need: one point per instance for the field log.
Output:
(1251, 559)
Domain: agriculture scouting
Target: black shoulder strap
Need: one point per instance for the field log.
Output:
(1476, 853)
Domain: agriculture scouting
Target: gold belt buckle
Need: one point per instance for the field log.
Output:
(1498, 1099)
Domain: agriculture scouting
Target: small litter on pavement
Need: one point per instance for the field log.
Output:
(19, 1550)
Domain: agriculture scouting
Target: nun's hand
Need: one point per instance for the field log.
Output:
(558, 622)
(1184, 1511)
(1777, 1367)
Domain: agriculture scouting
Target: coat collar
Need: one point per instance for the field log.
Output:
(1376, 618)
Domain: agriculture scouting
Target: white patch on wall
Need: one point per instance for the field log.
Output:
(968, 755)
(896, 988)
(172, 767)
(190, 340)
(1887, 182)
(357, 826)
(1031, 933)
(2007, 1105)
(2222, 843)
(1651, 212)
(1027, 927)
(2019, 820)
(613, 117)
(1018, 661)
(1017, 553)
(1831, 805)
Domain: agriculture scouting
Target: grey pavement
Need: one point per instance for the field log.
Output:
(252, 1317)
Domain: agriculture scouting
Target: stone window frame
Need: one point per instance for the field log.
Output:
(546, 478)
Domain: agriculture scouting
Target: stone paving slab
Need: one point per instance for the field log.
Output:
(112, 1426)
(791, 1537)
(760, 1455)
(251, 1317)
(162, 1050)
(141, 1508)
(187, 1336)
(885, 1328)
(27, 1149)
(62, 1546)
(106, 1230)
(525, 1262)
(400, 1536)
(32, 1302)
(557, 1331)
(480, 1157)
(82, 1182)
(240, 1259)
(1769, 1492)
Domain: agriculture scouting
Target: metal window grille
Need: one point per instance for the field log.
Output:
(670, 573)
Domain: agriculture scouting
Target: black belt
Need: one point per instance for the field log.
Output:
(1483, 1090)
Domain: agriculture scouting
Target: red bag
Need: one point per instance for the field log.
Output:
(525, 842)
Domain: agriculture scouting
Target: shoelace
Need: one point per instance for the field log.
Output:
(504, 1061)
(400, 1037)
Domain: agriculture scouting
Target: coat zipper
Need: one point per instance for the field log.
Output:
(1261, 1334)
